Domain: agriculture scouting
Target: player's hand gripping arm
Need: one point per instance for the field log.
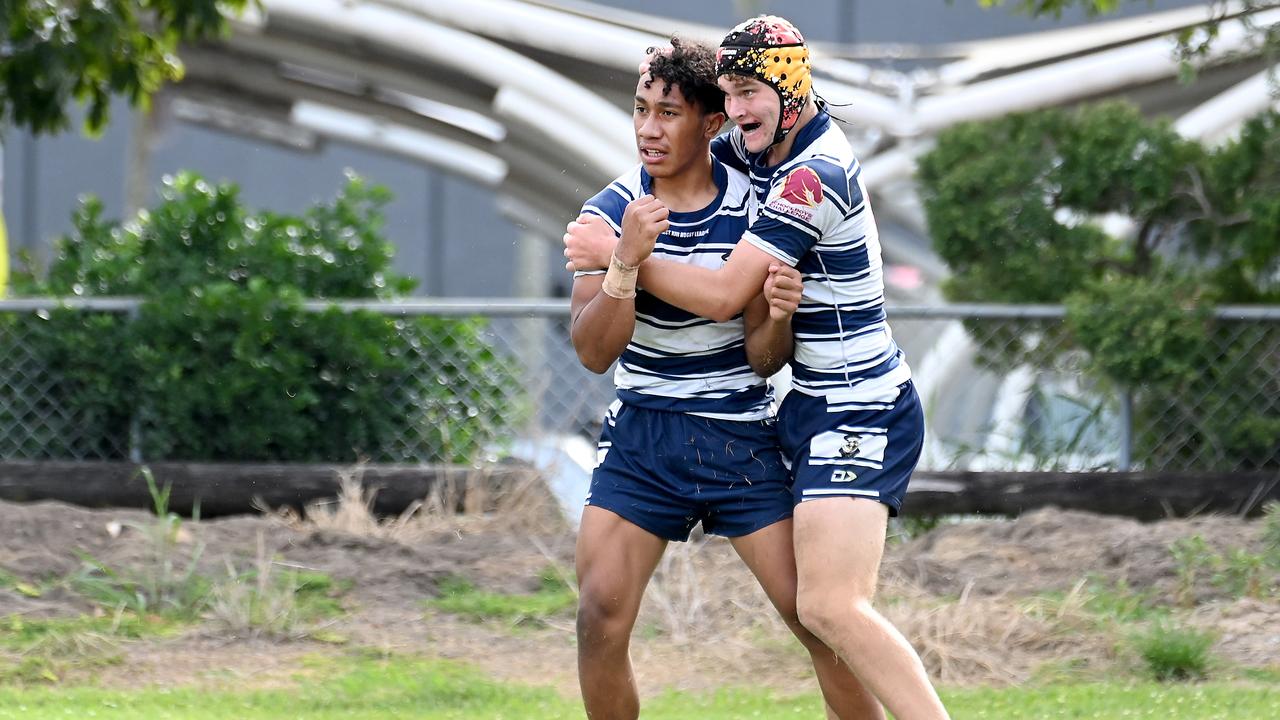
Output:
(588, 244)
(716, 294)
(603, 322)
(768, 320)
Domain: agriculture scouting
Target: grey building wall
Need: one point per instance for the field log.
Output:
(44, 176)
(432, 211)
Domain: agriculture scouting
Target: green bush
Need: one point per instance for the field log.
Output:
(1139, 332)
(1172, 652)
(1010, 205)
(223, 363)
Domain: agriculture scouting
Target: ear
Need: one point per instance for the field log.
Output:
(712, 124)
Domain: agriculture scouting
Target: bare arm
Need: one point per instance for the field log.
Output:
(770, 342)
(601, 325)
(716, 294)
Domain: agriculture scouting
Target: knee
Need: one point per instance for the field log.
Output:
(603, 614)
(830, 616)
(816, 614)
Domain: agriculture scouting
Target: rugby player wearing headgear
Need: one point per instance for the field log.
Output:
(852, 428)
(691, 437)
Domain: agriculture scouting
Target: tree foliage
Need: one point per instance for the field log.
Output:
(224, 363)
(54, 51)
(1012, 204)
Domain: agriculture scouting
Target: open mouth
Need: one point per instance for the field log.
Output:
(751, 127)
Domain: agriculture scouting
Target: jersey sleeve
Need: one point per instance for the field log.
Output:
(729, 149)
(804, 203)
(608, 204)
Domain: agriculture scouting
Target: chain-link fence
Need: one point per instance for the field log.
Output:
(1010, 388)
(1004, 388)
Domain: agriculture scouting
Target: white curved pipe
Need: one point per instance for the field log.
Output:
(381, 134)
(539, 27)
(600, 42)
(305, 53)
(1071, 80)
(986, 56)
(473, 59)
(888, 169)
(1216, 119)
(896, 164)
(862, 107)
(518, 107)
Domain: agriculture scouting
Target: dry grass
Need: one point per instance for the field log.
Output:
(258, 603)
(702, 595)
(995, 640)
(352, 512)
(677, 593)
(473, 502)
(703, 598)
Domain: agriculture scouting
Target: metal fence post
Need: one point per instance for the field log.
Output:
(1125, 461)
(135, 420)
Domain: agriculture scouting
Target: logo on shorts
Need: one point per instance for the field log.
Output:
(843, 476)
(850, 446)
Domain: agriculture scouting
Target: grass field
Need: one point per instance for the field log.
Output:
(268, 635)
(362, 687)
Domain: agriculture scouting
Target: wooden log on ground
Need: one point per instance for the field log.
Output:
(234, 488)
(231, 488)
(1140, 495)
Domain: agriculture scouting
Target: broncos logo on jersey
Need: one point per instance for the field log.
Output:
(802, 187)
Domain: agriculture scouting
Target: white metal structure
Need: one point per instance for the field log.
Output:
(529, 97)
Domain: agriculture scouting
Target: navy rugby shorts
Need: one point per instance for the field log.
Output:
(667, 471)
(865, 448)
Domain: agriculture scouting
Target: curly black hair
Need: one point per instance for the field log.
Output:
(691, 67)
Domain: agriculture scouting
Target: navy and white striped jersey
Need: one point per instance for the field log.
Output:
(815, 216)
(677, 361)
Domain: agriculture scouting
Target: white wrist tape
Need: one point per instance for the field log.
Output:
(620, 280)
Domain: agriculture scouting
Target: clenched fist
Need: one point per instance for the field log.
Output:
(783, 288)
(642, 222)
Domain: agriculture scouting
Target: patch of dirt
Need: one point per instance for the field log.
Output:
(197, 658)
(1247, 630)
(1050, 550)
(989, 601)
